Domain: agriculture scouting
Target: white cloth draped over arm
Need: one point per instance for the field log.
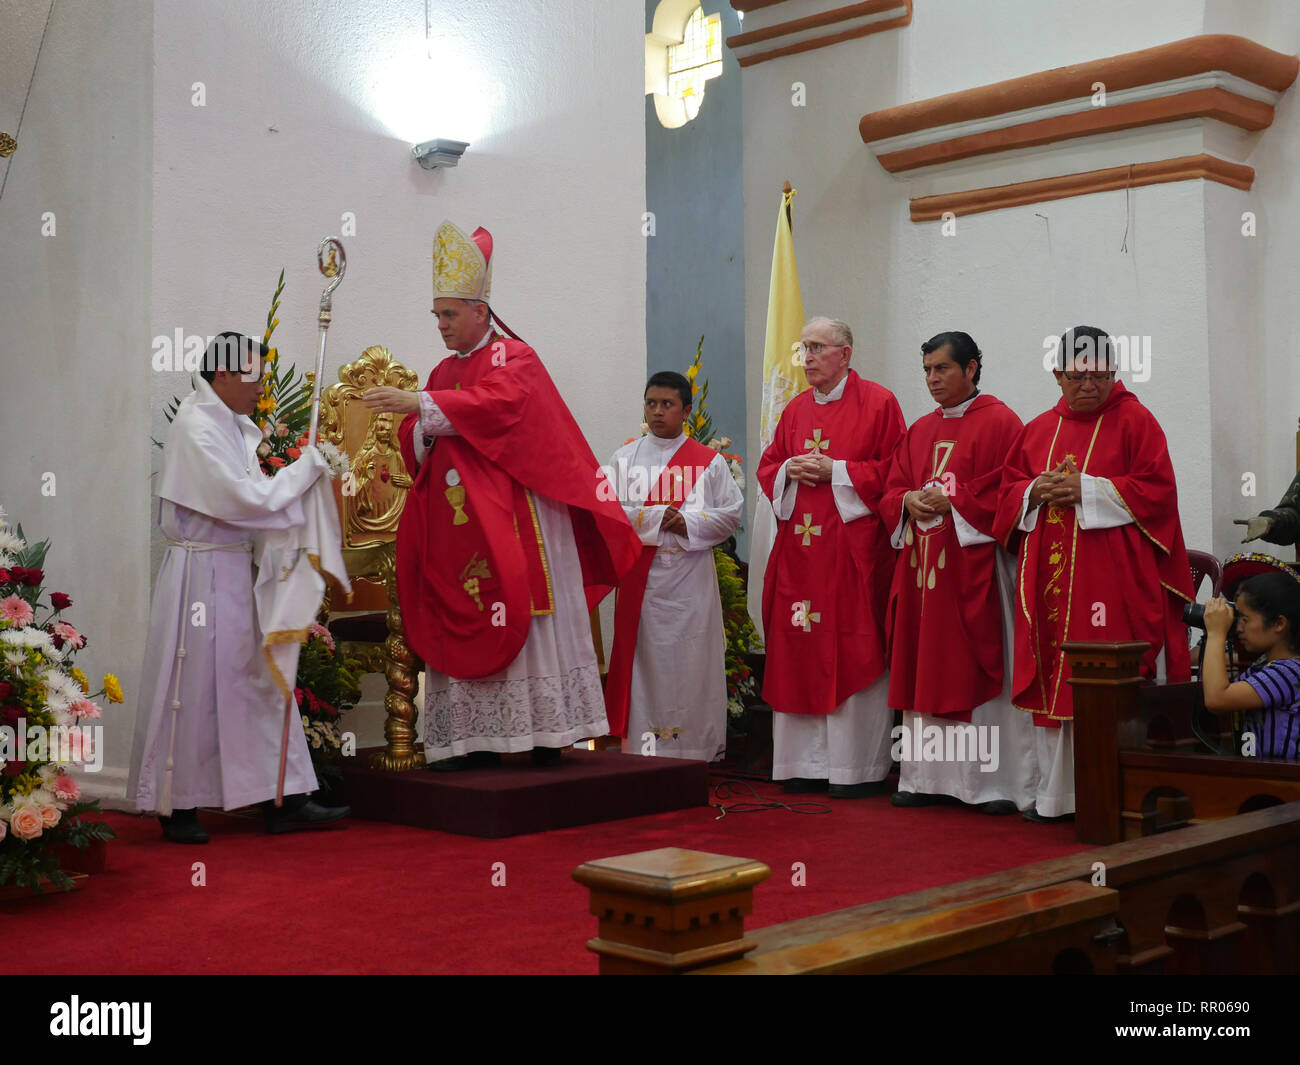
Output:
(224, 493)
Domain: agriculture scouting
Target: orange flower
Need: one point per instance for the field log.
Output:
(275, 460)
(294, 452)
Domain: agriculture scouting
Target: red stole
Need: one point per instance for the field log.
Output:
(1099, 585)
(827, 581)
(471, 568)
(672, 488)
(945, 611)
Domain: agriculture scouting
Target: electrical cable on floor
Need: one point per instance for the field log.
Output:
(754, 803)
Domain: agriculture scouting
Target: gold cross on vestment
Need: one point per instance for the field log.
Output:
(807, 530)
(804, 616)
(816, 445)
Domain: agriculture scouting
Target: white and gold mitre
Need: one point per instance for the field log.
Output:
(462, 265)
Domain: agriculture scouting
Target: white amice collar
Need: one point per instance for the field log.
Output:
(835, 393)
(957, 410)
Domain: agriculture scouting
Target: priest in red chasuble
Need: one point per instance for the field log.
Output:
(1088, 492)
(828, 574)
(509, 535)
(949, 617)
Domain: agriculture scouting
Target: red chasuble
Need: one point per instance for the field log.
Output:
(471, 564)
(1100, 585)
(945, 617)
(827, 581)
(683, 472)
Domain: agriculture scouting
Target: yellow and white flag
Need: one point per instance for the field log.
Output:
(783, 379)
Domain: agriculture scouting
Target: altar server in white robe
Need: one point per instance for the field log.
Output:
(208, 706)
(683, 501)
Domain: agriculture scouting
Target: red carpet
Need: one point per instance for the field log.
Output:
(379, 898)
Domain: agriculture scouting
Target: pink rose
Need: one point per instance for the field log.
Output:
(26, 822)
(50, 816)
(15, 609)
(66, 789)
(81, 745)
(85, 710)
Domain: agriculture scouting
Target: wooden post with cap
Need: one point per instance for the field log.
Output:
(670, 910)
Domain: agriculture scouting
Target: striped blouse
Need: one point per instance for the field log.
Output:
(1276, 724)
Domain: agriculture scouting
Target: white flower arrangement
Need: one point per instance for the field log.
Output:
(335, 457)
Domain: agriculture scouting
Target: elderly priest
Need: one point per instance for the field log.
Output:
(1088, 492)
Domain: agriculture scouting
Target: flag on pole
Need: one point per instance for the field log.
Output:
(783, 379)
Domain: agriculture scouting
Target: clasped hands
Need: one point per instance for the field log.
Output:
(809, 469)
(673, 521)
(1062, 486)
(926, 504)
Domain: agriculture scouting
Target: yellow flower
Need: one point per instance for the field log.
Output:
(266, 405)
(693, 371)
(81, 679)
(273, 354)
(113, 688)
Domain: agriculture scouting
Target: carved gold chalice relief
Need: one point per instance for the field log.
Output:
(455, 494)
(7, 145)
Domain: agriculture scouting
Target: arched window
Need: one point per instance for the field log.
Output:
(683, 51)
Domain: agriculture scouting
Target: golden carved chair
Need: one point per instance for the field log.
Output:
(370, 506)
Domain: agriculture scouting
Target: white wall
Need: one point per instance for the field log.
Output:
(75, 306)
(311, 108)
(1013, 277)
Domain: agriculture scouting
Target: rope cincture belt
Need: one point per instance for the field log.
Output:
(190, 546)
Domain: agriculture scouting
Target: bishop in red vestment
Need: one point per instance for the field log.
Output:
(510, 534)
(828, 575)
(951, 597)
(1088, 492)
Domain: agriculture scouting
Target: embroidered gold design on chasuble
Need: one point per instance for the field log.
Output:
(469, 576)
(456, 497)
(805, 616)
(943, 450)
(816, 445)
(807, 530)
(549, 606)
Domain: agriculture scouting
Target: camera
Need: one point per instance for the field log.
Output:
(1194, 615)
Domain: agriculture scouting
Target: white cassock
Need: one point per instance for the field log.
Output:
(1016, 777)
(1098, 509)
(550, 694)
(679, 679)
(851, 744)
(224, 738)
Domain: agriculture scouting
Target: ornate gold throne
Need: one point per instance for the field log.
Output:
(370, 506)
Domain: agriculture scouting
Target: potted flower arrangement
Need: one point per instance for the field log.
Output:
(46, 707)
(327, 685)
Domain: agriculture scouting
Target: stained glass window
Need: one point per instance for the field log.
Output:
(695, 60)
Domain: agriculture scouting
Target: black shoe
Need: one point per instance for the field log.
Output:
(914, 798)
(307, 815)
(543, 756)
(802, 786)
(482, 760)
(997, 807)
(1032, 814)
(183, 827)
(448, 765)
(866, 790)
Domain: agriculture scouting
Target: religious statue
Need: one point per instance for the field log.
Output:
(382, 482)
(1281, 525)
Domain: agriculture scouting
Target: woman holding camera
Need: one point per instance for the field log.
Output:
(1268, 625)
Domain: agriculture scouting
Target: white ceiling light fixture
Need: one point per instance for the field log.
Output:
(439, 152)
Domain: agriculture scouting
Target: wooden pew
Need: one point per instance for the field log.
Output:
(1139, 769)
(1219, 897)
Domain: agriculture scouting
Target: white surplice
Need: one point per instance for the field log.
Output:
(550, 694)
(679, 681)
(224, 737)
